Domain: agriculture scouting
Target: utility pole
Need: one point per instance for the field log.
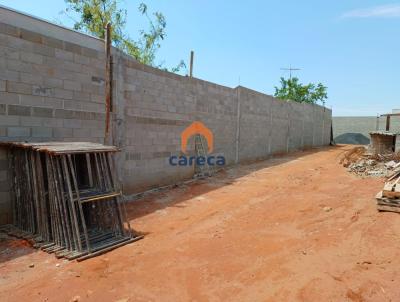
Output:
(191, 64)
(290, 69)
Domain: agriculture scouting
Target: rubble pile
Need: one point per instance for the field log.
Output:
(362, 163)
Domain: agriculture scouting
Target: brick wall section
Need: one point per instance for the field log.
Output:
(52, 88)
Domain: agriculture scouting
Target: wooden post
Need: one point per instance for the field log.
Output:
(191, 64)
(388, 123)
(108, 80)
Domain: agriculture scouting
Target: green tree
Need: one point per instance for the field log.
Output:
(292, 89)
(93, 16)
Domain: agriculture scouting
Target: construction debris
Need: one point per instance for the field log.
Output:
(365, 164)
(389, 198)
(67, 199)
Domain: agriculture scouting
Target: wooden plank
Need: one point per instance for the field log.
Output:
(390, 194)
(385, 208)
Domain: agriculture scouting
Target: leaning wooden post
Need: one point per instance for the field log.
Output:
(108, 86)
(388, 122)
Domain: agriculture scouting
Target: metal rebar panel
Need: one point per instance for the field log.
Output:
(67, 200)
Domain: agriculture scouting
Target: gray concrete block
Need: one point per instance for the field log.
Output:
(30, 78)
(42, 132)
(53, 103)
(91, 53)
(17, 65)
(18, 131)
(64, 55)
(30, 121)
(72, 85)
(71, 66)
(72, 123)
(19, 110)
(80, 133)
(9, 30)
(53, 83)
(15, 87)
(71, 47)
(30, 36)
(7, 74)
(62, 132)
(51, 122)
(31, 100)
(97, 133)
(82, 96)
(42, 112)
(63, 94)
(3, 131)
(43, 50)
(7, 53)
(31, 57)
(7, 120)
(51, 42)
(9, 98)
(83, 60)
(2, 85)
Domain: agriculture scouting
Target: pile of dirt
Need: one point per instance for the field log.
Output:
(362, 163)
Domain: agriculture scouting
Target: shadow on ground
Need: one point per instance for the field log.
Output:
(11, 248)
(178, 194)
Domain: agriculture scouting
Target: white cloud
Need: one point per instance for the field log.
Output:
(382, 11)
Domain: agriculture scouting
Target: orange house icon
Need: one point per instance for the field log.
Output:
(197, 128)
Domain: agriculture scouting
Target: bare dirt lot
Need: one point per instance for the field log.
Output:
(296, 228)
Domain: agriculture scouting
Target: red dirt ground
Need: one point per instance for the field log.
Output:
(256, 232)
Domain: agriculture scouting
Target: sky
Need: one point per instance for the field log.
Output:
(351, 46)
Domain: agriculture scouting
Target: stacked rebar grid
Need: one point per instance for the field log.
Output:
(67, 198)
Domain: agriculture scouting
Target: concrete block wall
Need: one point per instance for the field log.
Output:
(247, 125)
(52, 88)
(158, 107)
(49, 89)
(270, 126)
(216, 107)
(356, 129)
